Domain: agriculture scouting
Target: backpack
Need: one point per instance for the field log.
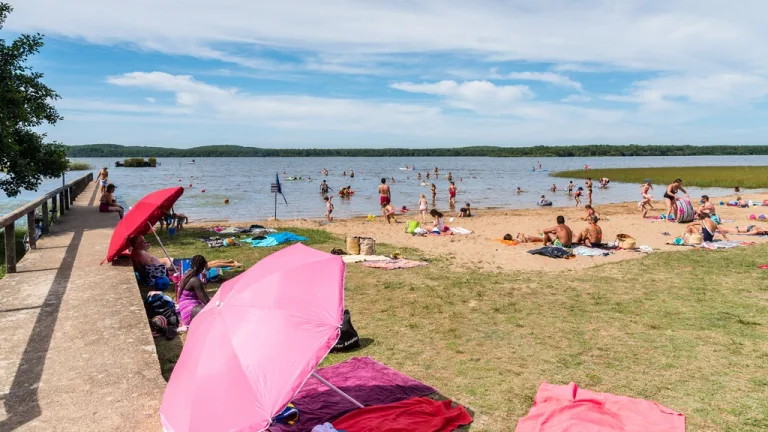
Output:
(159, 304)
(348, 338)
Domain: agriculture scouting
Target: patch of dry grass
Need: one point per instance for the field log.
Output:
(686, 329)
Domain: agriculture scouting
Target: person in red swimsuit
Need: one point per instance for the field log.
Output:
(452, 189)
(385, 196)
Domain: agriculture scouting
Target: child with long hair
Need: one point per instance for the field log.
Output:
(191, 293)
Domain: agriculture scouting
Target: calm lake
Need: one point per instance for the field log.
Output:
(483, 182)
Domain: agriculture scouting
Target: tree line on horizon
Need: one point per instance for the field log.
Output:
(115, 150)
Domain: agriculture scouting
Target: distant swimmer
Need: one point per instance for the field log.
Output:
(449, 176)
(392, 180)
(344, 174)
(352, 173)
(539, 164)
(553, 188)
(570, 187)
(519, 191)
(423, 183)
(418, 177)
(427, 175)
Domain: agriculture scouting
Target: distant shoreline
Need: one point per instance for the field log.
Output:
(601, 150)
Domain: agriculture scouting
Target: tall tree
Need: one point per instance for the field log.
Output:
(25, 103)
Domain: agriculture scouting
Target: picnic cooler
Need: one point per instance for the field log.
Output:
(625, 241)
(353, 245)
(367, 246)
(685, 213)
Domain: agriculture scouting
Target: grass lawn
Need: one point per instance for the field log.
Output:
(688, 330)
(750, 177)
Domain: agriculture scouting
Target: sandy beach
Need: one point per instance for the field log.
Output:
(480, 250)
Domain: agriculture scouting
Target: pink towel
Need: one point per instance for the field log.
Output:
(559, 408)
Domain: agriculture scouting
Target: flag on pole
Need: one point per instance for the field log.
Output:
(280, 188)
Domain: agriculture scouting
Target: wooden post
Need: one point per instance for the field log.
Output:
(54, 208)
(10, 248)
(31, 230)
(46, 216)
(61, 203)
(65, 195)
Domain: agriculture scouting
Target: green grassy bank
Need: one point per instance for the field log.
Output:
(750, 177)
(671, 327)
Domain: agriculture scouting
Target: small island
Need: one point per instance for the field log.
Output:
(137, 163)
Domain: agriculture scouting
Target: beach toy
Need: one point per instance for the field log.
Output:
(722, 203)
(752, 217)
(371, 218)
(171, 231)
(678, 241)
(162, 283)
(762, 217)
(202, 190)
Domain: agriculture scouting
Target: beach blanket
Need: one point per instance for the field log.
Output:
(364, 379)
(417, 414)
(507, 242)
(461, 231)
(393, 264)
(349, 259)
(275, 239)
(559, 408)
(588, 251)
(552, 252)
(213, 242)
(725, 244)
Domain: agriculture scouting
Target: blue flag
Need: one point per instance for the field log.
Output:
(280, 188)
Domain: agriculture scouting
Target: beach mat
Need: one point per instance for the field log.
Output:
(552, 252)
(558, 408)
(277, 239)
(417, 414)
(393, 264)
(364, 379)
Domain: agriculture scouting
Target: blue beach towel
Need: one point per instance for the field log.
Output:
(277, 239)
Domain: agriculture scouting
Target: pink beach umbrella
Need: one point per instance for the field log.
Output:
(249, 351)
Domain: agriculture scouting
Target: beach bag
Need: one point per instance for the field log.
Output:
(685, 213)
(367, 246)
(695, 239)
(625, 241)
(411, 226)
(161, 305)
(353, 245)
(348, 338)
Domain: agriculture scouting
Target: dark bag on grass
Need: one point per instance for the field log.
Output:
(348, 339)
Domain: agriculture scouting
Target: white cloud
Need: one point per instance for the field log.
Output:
(150, 100)
(633, 34)
(575, 98)
(547, 77)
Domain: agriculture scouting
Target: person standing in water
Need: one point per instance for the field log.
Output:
(452, 189)
(352, 173)
(434, 194)
(578, 196)
(324, 188)
(385, 196)
(589, 190)
(570, 187)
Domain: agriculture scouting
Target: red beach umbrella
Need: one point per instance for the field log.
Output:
(141, 218)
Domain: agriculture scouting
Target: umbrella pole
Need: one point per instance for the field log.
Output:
(163, 247)
(334, 388)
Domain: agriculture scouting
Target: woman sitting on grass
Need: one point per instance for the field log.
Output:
(107, 202)
(192, 296)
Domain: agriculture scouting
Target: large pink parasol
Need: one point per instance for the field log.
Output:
(249, 351)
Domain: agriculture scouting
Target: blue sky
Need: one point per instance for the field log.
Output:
(406, 74)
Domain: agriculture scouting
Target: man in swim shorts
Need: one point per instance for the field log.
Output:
(559, 235)
(593, 235)
(385, 196)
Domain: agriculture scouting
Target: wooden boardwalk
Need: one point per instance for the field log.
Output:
(76, 353)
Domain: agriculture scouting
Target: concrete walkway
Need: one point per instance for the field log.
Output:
(76, 353)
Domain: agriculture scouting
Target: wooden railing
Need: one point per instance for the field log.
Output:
(60, 199)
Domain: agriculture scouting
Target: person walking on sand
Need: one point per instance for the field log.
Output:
(423, 208)
(328, 208)
(589, 190)
(671, 199)
(452, 189)
(385, 196)
(578, 194)
(645, 198)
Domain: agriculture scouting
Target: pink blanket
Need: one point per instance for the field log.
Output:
(558, 408)
(366, 380)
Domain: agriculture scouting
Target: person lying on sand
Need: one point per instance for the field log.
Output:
(592, 236)
(742, 202)
(706, 227)
(748, 230)
(590, 213)
(559, 235)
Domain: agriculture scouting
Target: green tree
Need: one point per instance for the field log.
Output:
(25, 157)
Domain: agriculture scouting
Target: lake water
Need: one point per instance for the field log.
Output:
(484, 182)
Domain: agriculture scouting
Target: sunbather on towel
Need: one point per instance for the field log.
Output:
(558, 235)
(706, 227)
(592, 236)
(748, 230)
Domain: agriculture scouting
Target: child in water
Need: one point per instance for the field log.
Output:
(423, 208)
(328, 208)
(553, 188)
(578, 195)
(570, 187)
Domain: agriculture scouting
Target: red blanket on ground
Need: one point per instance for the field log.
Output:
(417, 414)
(559, 408)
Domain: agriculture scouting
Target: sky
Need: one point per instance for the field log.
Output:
(396, 73)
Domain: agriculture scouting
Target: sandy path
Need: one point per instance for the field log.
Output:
(480, 251)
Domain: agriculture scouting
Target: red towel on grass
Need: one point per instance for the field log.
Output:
(559, 408)
(417, 414)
